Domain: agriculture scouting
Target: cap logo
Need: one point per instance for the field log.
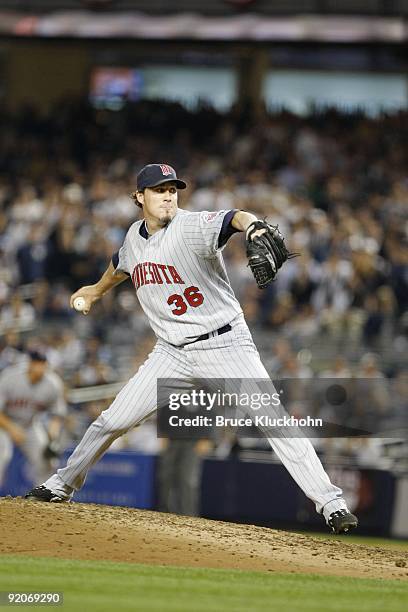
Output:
(166, 170)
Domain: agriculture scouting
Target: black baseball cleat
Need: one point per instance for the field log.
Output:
(42, 494)
(342, 521)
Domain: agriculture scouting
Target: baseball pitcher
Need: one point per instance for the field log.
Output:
(174, 260)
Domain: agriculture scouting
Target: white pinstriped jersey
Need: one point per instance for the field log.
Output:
(20, 400)
(179, 275)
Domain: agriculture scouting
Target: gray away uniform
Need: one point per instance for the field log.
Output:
(29, 406)
(183, 288)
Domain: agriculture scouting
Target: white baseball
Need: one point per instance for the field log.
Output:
(79, 304)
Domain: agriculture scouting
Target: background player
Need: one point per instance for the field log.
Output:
(32, 410)
(174, 260)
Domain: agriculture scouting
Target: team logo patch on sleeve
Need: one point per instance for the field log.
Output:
(208, 217)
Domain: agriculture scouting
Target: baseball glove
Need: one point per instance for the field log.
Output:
(266, 253)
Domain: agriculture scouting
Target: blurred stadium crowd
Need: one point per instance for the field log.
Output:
(336, 184)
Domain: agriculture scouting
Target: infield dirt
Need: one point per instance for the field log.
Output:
(88, 531)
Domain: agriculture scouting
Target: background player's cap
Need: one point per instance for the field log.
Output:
(156, 174)
(37, 356)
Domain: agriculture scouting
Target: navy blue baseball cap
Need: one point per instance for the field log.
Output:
(156, 174)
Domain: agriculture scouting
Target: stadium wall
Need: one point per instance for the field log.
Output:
(46, 73)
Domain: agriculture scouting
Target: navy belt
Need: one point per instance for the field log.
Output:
(217, 332)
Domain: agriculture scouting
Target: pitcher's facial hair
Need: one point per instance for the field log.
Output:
(165, 221)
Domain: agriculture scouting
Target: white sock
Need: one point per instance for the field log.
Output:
(333, 506)
(57, 486)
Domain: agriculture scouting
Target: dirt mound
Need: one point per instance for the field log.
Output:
(88, 531)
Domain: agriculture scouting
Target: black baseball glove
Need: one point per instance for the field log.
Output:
(266, 253)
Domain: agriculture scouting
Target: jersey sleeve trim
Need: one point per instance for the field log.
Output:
(115, 262)
(227, 229)
(115, 259)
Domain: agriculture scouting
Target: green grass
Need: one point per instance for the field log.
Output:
(113, 587)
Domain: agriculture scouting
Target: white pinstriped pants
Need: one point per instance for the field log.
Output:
(231, 355)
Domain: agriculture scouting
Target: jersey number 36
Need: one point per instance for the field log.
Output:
(191, 297)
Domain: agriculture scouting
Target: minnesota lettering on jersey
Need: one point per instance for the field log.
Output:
(149, 273)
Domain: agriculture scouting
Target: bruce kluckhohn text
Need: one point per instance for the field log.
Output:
(257, 420)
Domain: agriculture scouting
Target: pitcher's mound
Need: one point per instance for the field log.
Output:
(88, 531)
